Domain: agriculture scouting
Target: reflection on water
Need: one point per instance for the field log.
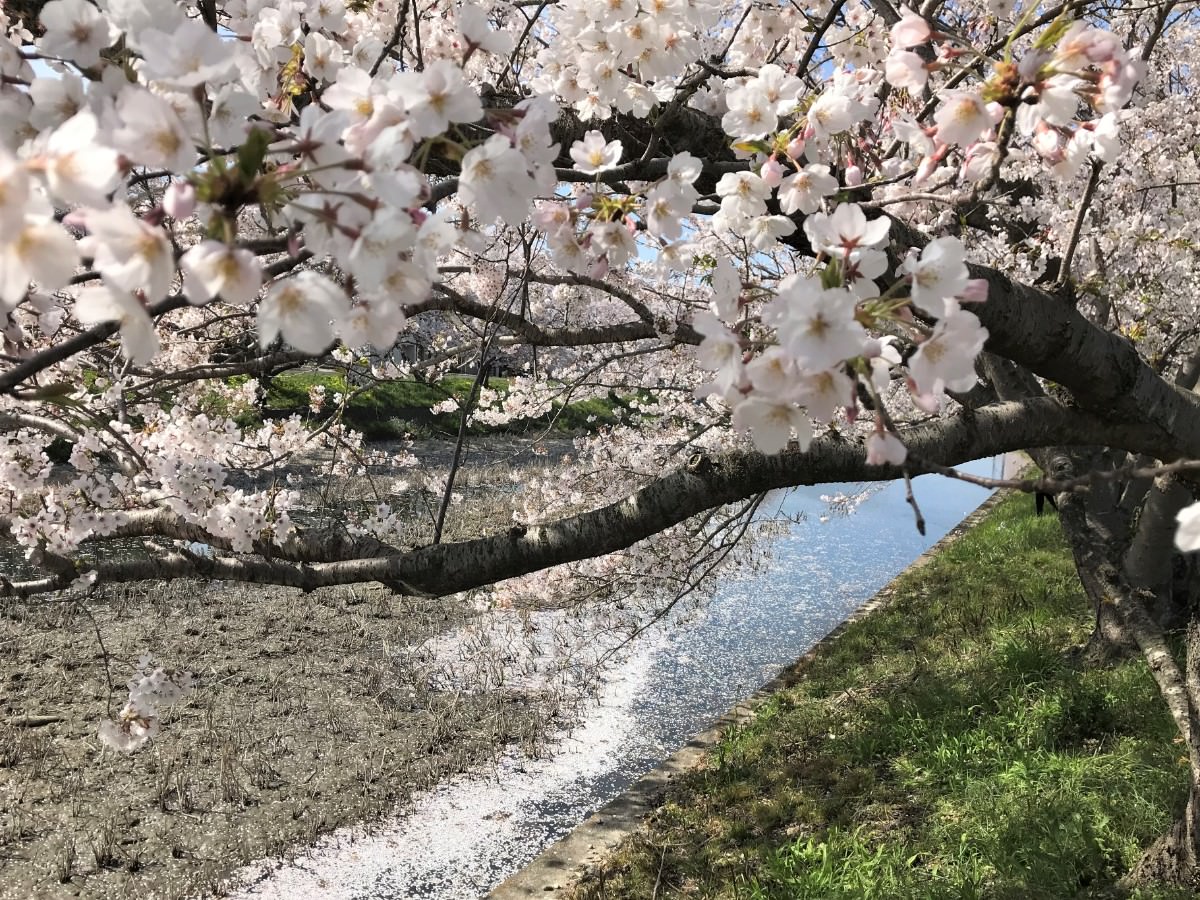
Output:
(466, 836)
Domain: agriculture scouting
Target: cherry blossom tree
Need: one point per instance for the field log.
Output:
(804, 242)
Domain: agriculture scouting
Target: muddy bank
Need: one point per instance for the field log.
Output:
(303, 723)
(308, 716)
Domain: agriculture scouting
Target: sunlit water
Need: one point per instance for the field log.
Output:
(466, 836)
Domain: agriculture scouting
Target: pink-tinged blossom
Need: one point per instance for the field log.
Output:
(946, 359)
(326, 15)
(229, 115)
(882, 356)
(476, 31)
(884, 448)
(14, 192)
(773, 374)
(913, 133)
(213, 269)
(726, 289)
(139, 719)
(764, 232)
(824, 393)
(97, 304)
(684, 169)
(772, 423)
(553, 217)
(976, 291)
(751, 113)
(437, 97)
(743, 195)
(666, 206)
(979, 161)
(354, 93)
(189, 56)
(910, 30)
(323, 58)
(939, 275)
(593, 154)
(781, 87)
(771, 173)
(613, 240)
(378, 245)
(961, 118)
(55, 99)
(302, 309)
(831, 114)
(376, 323)
(720, 351)
(1106, 139)
(179, 200)
(905, 69)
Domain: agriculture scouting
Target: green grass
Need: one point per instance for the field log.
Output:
(394, 409)
(948, 746)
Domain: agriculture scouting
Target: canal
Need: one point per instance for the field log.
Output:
(466, 836)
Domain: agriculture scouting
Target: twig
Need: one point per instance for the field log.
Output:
(911, 499)
(1056, 486)
(104, 650)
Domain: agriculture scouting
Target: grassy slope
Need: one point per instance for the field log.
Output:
(947, 746)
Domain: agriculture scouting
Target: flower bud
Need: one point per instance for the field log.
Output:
(179, 200)
(771, 173)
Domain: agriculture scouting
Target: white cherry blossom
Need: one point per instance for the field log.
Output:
(804, 190)
(946, 360)
(75, 30)
(97, 304)
(594, 154)
(939, 275)
(130, 253)
(213, 269)
(495, 180)
(301, 310)
(772, 424)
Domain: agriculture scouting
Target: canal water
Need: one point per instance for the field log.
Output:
(464, 837)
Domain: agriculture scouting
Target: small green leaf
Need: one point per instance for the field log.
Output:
(251, 154)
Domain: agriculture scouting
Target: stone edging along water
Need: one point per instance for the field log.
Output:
(561, 865)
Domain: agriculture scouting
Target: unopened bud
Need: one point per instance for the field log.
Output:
(771, 173)
(179, 200)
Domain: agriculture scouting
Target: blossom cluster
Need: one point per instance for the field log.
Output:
(821, 347)
(140, 720)
(1070, 66)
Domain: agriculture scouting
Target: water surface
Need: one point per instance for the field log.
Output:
(466, 836)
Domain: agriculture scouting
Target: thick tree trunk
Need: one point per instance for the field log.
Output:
(1175, 857)
(1096, 529)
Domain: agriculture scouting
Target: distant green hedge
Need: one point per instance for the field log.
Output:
(394, 409)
